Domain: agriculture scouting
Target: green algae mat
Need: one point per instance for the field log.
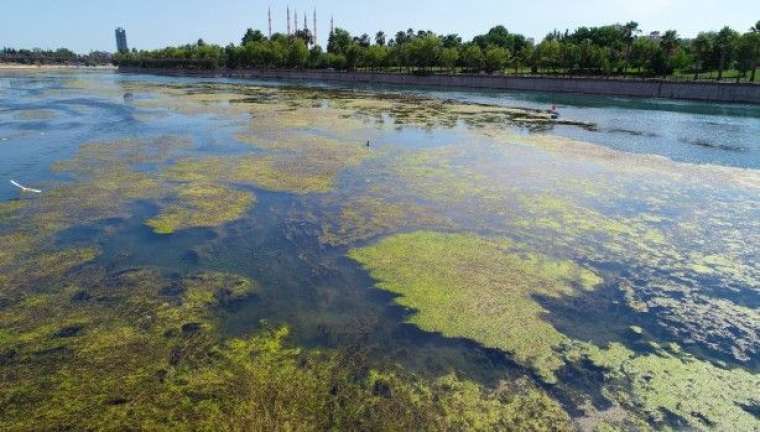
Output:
(222, 255)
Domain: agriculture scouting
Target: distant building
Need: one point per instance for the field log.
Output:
(121, 40)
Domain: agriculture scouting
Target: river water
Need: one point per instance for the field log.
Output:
(439, 232)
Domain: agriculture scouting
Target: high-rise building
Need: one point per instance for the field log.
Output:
(121, 40)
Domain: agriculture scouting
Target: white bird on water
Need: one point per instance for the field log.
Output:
(24, 188)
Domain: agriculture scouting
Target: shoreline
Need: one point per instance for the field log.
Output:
(652, 89)
(19, 66)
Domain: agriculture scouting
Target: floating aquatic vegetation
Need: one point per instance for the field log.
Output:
(669, 383)
(446, 174)
(310, 171)
(657, 249)
(201, 205)
(365, 217)
(35, 115)
(717, 324)
(94, 344)
(335, 109)
(470, 287)
(207, 289)
(105, 182)
(95, 157)
(100, 196)
(190, 103)
(147, 361)
(32, 263)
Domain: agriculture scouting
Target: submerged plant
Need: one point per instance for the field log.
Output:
(135, 350)
(201, 205)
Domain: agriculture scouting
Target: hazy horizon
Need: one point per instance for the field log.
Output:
(88, 25)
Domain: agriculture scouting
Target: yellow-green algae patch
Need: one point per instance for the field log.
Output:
(35, 115)
(467, 286)
(669, 382)
(95, 197)
(214, 288)
(309, 171)
(9, 209)
(26, 268)
(658, 229)
(201, 205)
(126, 356)
(95, 157)
(366, 216)
(104, 183)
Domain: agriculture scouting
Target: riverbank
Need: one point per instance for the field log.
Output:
(19, 66)
(696, 91)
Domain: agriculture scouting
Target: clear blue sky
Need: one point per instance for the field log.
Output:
(85, 25)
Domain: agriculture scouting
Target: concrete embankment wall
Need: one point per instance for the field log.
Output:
(698, 91)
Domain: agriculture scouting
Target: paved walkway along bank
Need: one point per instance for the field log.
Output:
(698, 91)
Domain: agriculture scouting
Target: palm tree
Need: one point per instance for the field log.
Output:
(669, 42)
(629, 35)
(726, 43)
(702, 46)
(380, 38)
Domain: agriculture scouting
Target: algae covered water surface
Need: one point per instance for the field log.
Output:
(229, 255)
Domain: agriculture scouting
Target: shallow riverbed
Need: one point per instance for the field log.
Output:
(253, 254)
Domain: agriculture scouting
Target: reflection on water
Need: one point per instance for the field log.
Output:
(476, 262)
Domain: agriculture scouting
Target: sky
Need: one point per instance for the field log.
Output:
(86, 25)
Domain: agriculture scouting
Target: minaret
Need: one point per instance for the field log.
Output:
(332, 26)
(295, 21)
(288, 20)
(314, 30)
(269, 15)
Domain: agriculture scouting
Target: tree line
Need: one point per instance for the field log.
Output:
(53, 57)
(619, 50)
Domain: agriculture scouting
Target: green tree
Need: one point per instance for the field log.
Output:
(702, 47)
(305, 35)
(680, 59)
(424, 51)
(669, 42)
(363, 40)
(630, 30)
(298, 53)
(380, 38)
(336, 61)
(339, 41)
(472, 57)
(233, 56)
(376, 56)
(317, 58)
(449, 58)
(726, 45)
(501, 37)
(643, 54)
(523, 57)
(496, 58)
(748, 53)
(355, 56)
(252, 35)
(452, 40)
(547, 54)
